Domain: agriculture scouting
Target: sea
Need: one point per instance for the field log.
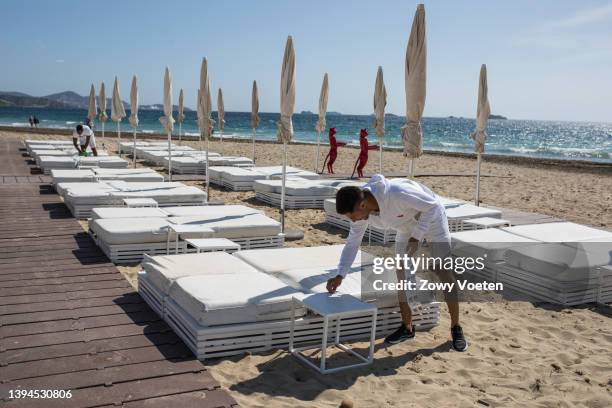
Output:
(587, 141)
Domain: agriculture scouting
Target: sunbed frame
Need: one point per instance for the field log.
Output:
(291, 201)
(228, 340)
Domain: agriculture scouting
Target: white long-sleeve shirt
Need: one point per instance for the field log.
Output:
(404, 205)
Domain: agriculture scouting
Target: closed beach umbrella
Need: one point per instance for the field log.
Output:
(134, 113)
(220, 113)
(254, 114)
(483, 111)
(380, 101)
(180, 117)
(167, 120)
(320, 126)
(102, 103)
(415, 81)
(92, 110)
(117, 112)
(206, 122)
(287, 105)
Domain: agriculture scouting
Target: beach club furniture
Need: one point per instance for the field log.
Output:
(222, 304)
(484, 223)
(333, 308)
(102, 174)
(212, 245)
(300, 193)
(456, 211)
(561, 262)
(48, 163)
(125, 237)
(242, 179)
(81, 198)
(196, 163)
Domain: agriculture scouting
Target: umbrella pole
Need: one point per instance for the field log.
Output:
(282, 206)
(221, 136)
(169, 155)
(103, 146)
(477, 198)
(318, 151)
(134, 149)
(207, 175)
(380, 147)
(254, 145)
(119, 138)
(180, 131)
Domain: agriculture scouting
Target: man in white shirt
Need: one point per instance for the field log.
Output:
(85, 138)
(415, 213)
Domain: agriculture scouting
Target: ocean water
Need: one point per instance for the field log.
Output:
(533, 138)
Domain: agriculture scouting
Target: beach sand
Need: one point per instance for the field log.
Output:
(520, 354)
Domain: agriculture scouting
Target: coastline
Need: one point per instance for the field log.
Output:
(498, 158)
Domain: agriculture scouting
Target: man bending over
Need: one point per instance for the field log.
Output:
(85, 138)
(415, 213)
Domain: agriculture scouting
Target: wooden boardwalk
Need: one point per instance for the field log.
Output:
(70, 321)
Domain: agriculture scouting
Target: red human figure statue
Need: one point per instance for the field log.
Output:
(364, 147)
(333, 151)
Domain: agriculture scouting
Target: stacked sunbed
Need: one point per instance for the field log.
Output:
(81, 198)
(195, 163)
(48, 163)
(102, 174)
(222, 304)
(125, 234)
(561, 262)
(46, 144)
(299, 193)
(243, 179)
(456, 212)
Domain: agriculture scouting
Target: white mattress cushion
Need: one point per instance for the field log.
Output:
(276, 260)
(233, 298)
(195, 210)
(558, 232)
(493, 242)
(125, 212)
(72, 175)
(232, 226)
(466, 211)
(314, 280)
(186, 194)
(121, 231)
(557, 261)
(163, 270)
(121, 172)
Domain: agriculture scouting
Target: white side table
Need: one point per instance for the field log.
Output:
(212, 244)
(484, 223)
(179, 229)
(333, 307)
(139, 202)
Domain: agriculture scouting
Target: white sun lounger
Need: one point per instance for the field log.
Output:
(456, 212)
(100, 174)
(242, 179)
(196, 163)
(127, 239)
(259, 312)
(47, 163)
(540, 261)
(81, 199)
(300, 193)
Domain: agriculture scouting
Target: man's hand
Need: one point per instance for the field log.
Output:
(333, 283)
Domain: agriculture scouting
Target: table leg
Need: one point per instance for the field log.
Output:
(324, 344)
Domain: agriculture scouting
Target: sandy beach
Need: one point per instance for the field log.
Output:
(520, 354)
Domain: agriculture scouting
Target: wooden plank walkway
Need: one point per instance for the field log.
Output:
(70, 321)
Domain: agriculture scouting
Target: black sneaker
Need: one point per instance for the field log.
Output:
(459, 341)
(401, 334)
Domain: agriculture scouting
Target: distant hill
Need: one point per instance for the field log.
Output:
(60, 100)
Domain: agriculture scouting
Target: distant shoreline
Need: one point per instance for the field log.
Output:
(499, 158)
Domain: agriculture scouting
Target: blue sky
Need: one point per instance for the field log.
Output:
(546, 59)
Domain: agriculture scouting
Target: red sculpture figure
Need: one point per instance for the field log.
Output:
(333, 151)
(362, 160)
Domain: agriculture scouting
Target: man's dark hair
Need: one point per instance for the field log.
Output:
(347, 198)
(79, 128)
